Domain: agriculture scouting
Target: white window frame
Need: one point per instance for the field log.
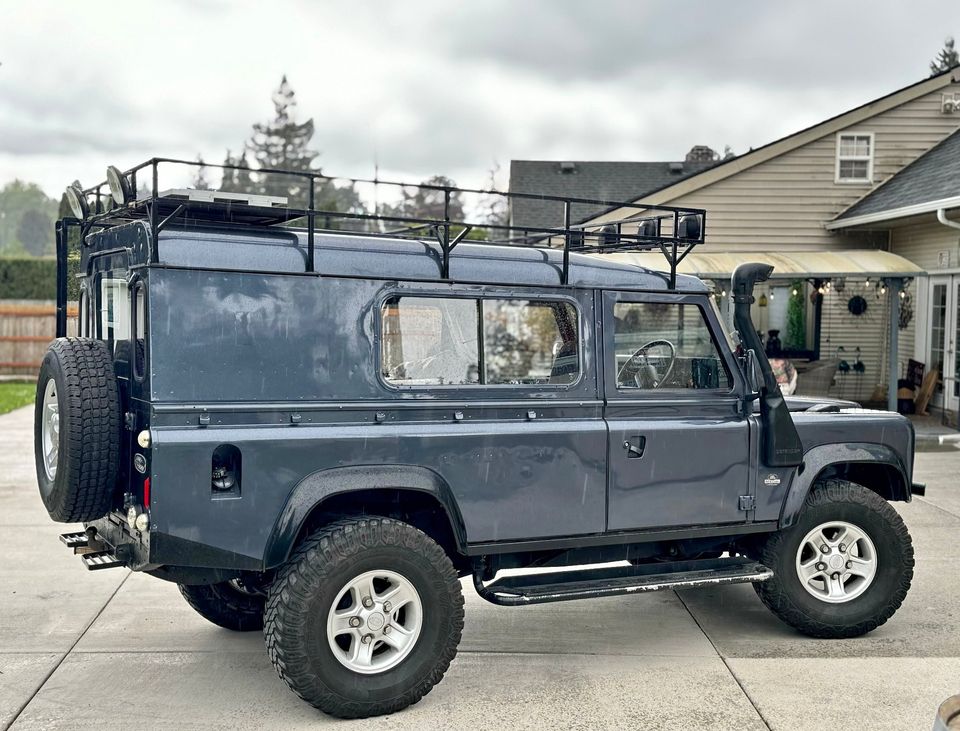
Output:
(868, 158)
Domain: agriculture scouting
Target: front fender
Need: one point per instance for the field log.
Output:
(313, 489)
(818, 459)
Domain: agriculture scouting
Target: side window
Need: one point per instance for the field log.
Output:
(666, 346)
(432, 341)
(114, 309)
(527, 342)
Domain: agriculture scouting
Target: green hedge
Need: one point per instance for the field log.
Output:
(34, 278)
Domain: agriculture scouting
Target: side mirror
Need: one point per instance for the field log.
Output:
(751, 371)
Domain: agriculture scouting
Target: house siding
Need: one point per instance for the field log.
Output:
(785, 202)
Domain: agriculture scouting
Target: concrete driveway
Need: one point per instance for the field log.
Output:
(112, 649)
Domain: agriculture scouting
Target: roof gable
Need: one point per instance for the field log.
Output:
(728, 168)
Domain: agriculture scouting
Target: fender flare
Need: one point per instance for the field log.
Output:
(318, 486)
(819, 458)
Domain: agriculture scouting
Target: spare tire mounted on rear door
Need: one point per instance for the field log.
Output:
(77, 430)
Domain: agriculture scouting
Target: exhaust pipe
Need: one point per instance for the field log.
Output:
(781, 443)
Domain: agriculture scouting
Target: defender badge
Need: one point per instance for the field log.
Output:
(771, 480)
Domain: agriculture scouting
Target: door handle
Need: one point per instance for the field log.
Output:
(635, 451)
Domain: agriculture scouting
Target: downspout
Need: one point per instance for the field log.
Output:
(942, 218)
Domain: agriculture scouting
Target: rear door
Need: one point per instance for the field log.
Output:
(679, 448)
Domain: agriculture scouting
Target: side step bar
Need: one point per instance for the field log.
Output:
(91, 551)
(561, 586)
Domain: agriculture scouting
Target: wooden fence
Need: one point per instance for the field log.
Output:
(26, 328)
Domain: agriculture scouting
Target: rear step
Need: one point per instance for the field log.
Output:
(101, 560)
(593, 583)
(91, 551)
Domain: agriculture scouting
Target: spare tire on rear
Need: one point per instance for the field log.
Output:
(76, 430)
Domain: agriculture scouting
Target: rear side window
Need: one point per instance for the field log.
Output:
(114, 309)
(433, 341)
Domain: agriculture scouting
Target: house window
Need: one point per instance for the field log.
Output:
(854, 157)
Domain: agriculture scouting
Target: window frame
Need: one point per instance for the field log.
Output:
(857, 158)
(478, 298)
(711, 321)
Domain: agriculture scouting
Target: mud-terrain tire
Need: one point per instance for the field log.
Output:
(838, 501)
(77, 414)
(301, 606)
(226, 605)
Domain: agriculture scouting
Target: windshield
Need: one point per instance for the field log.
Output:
(731, 337)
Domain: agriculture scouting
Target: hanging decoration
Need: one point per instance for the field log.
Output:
(857, 305)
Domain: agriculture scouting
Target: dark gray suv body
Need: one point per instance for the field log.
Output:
(532, 408)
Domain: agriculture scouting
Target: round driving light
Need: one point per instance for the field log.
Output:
(143, 439)
(140, 463)
(142, 522)
(77, 200)
(132, 517)
(120, 189)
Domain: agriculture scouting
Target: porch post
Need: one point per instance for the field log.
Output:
(893, 369)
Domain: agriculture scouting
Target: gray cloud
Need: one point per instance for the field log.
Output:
(440, 88)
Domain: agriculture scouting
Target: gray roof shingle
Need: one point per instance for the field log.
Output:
(610, 181)
(933, 176)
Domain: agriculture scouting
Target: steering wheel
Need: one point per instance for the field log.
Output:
(638, 366)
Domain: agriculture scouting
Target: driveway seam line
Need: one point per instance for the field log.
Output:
(63, 657)
(725, 663)
(937, 507)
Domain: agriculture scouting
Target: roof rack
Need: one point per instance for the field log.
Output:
(135, 194)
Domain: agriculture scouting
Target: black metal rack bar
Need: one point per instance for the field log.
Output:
(608, 235)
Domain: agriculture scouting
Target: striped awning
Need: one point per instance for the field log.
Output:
(789, 265)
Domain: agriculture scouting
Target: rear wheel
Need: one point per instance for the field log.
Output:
(843, 568)
(365, 617)
(77, 430)
(229, 604)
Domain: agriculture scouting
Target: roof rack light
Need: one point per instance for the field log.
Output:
(77, 200)
(120, 189)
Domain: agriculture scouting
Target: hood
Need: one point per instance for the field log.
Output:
(824, 403)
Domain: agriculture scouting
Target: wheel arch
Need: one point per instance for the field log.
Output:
(411, 493)
(875, 466)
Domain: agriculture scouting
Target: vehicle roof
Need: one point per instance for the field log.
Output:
(381, 257)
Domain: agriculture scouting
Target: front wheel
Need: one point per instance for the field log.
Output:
(843, 568)
(365, 617)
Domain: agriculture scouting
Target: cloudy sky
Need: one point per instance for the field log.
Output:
(439, 87)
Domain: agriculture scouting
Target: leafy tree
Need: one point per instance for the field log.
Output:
(35, 232)
(946, 59)
(428, 203)
(16, 199)
(493, 207)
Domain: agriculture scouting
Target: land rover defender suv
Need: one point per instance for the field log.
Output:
(317, 423)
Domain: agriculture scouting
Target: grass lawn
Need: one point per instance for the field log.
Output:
(13, 395)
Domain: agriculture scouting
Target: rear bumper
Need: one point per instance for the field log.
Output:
(130, 547)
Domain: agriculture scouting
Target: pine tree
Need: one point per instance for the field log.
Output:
(200, 181)
(284, 144)
(947, 59)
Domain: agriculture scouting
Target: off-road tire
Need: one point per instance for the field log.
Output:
(785, 596)
(89, 439)
(305, 588)
(226, 605)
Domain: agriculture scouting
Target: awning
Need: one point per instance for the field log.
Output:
(792, 265)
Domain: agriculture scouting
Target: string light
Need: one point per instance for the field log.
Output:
(822, 290)
(795, 292)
